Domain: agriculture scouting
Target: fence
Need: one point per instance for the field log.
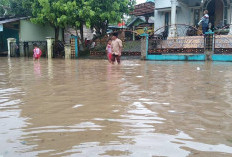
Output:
(58, 49)
(130, 47)
(223, 44)
(26, 48)
(186, 39)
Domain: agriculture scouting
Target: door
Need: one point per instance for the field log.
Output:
(166, 24)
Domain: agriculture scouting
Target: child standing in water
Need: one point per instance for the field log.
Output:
(37, 52)
(109, 50)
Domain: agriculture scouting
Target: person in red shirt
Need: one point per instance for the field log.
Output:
(37, 52)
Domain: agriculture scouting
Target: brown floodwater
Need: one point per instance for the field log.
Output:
(91, 108)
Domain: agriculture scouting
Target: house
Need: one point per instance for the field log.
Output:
(23, 30)
(188, 12)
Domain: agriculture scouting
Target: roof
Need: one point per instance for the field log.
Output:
(151, 20)
(135, 19)
(9, 20)
(144, 9)
(117, 27)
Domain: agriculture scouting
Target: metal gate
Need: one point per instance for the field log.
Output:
(187, 40)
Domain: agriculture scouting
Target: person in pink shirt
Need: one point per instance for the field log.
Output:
(37, 52)
(109, 50)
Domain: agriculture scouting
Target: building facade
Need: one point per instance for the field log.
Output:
(24, 31)
(189, 12)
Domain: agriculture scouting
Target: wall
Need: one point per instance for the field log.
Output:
(183, 13)
(68, 31)
(193, 3)
(7, 33)
(34, 32)
(162, 4)
(159, 19)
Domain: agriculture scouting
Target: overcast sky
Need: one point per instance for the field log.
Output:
(140, 1)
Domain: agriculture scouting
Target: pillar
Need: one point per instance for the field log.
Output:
(133, 33)
(209, 40)
(144, 46)
(9, 41)
(172, 32)
(230, 33)
(50, 46)
(67, 51)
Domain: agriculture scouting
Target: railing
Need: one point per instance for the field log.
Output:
(58, 49)
(25, 48)
(185, 39)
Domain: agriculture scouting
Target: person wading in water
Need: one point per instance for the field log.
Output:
(204, 21)
(116, 49)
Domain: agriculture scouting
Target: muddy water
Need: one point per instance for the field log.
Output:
(91, 108)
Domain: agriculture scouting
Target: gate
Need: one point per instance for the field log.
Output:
(223, 44)
(25, 48)
(14, 50)
(187, 40)
(131, 44)
(58, 49)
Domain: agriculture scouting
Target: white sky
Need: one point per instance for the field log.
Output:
(140, 1)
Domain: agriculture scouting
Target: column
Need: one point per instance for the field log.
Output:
(67, 51)
(230, 22)
(144, 46)
(9, 41)
(50, 46)
(133, 33)
(172, 32)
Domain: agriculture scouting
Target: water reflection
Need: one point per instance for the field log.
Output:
(37, 69)
(92, 108)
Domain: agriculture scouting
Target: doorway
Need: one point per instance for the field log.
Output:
(166, 24)
(216, 12)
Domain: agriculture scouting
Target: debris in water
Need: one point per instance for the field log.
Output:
(78, 105)
(23, 142)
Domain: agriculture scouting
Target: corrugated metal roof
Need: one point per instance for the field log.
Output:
(12, 20)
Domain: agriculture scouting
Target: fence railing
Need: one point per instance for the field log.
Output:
(25, 48)
(58, 49)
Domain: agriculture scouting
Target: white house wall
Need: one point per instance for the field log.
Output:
(183, 15)
(162, 4)
(159, 19)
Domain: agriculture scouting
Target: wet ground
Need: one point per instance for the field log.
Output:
(91, 108)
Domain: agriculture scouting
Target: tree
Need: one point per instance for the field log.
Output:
(79, 14)
(108, 11)
(20, 8)
(17, 8)
(4, 7)
(51, 12)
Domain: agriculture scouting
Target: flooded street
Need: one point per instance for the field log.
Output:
(91, 108)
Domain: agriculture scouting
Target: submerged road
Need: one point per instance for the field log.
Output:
(92, 108)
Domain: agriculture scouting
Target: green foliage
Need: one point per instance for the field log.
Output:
(15, 7)
(3, 6)
(108, 11)
(49, 11)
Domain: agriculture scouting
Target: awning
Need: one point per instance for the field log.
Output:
(3, 21)
(167, 9)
